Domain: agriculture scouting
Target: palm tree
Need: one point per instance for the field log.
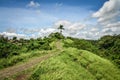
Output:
(61, 28)
(14, 38)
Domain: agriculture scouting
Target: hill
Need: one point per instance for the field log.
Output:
(74, 64)
(60, 58)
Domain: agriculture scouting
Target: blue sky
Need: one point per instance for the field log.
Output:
(20, 3)
(16, 16)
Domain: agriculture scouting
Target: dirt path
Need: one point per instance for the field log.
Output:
(59, 45)
(19, 68)
(22, 67)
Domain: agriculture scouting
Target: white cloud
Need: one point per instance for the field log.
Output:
(117, 24)
(77, 29)
(80, 30)
(111, 30)
(34, 34)
(70, 25)
(11, 35)
(71, 29)
(47, 31)
(109, 17)
(94, 29)
(109, 13)
(77, 26)
(38, 30)
(33, 4)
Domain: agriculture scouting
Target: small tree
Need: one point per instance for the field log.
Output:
(61, 27)
(14, 38)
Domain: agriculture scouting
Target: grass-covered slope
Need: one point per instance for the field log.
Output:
(23, 57)
(74, 64)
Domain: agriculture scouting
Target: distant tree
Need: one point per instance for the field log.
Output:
(61, 27)
(14, 38)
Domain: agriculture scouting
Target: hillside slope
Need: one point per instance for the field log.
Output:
(74, 64)
(30, 63)
(66, 63)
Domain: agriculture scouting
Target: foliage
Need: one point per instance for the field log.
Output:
(80, 44)
(13, 47)
(80, 59)
(13, 51)
(6, 62)
(56, 36)
(107, 46)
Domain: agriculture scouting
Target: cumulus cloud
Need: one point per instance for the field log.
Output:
(110, 31)
(34, 34)
(76, 29)
(70, 25)
(81, 30)
(77, 26)
(71, 29)
(92, 33)
(109, 17)
(109, 13)
(46, 32)
(36, 30)
(94, 29)
(11, 35)
(116, 24)
(33, 4)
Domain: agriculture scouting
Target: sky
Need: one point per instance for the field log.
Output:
(88, 19)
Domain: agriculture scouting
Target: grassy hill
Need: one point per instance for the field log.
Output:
(58, 58)
(74, 64)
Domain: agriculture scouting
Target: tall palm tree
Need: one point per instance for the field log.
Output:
(61, 27)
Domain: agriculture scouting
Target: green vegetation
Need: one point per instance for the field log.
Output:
(74, 64)
(13, 51)
(74, 59)
(23, 57)
(107, 47)
(13, 47)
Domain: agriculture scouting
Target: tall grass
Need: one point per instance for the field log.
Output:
(74, 64)
(6, 62)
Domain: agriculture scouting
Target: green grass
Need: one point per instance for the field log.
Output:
(68, 41)
(74, 64)
(23, 57)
